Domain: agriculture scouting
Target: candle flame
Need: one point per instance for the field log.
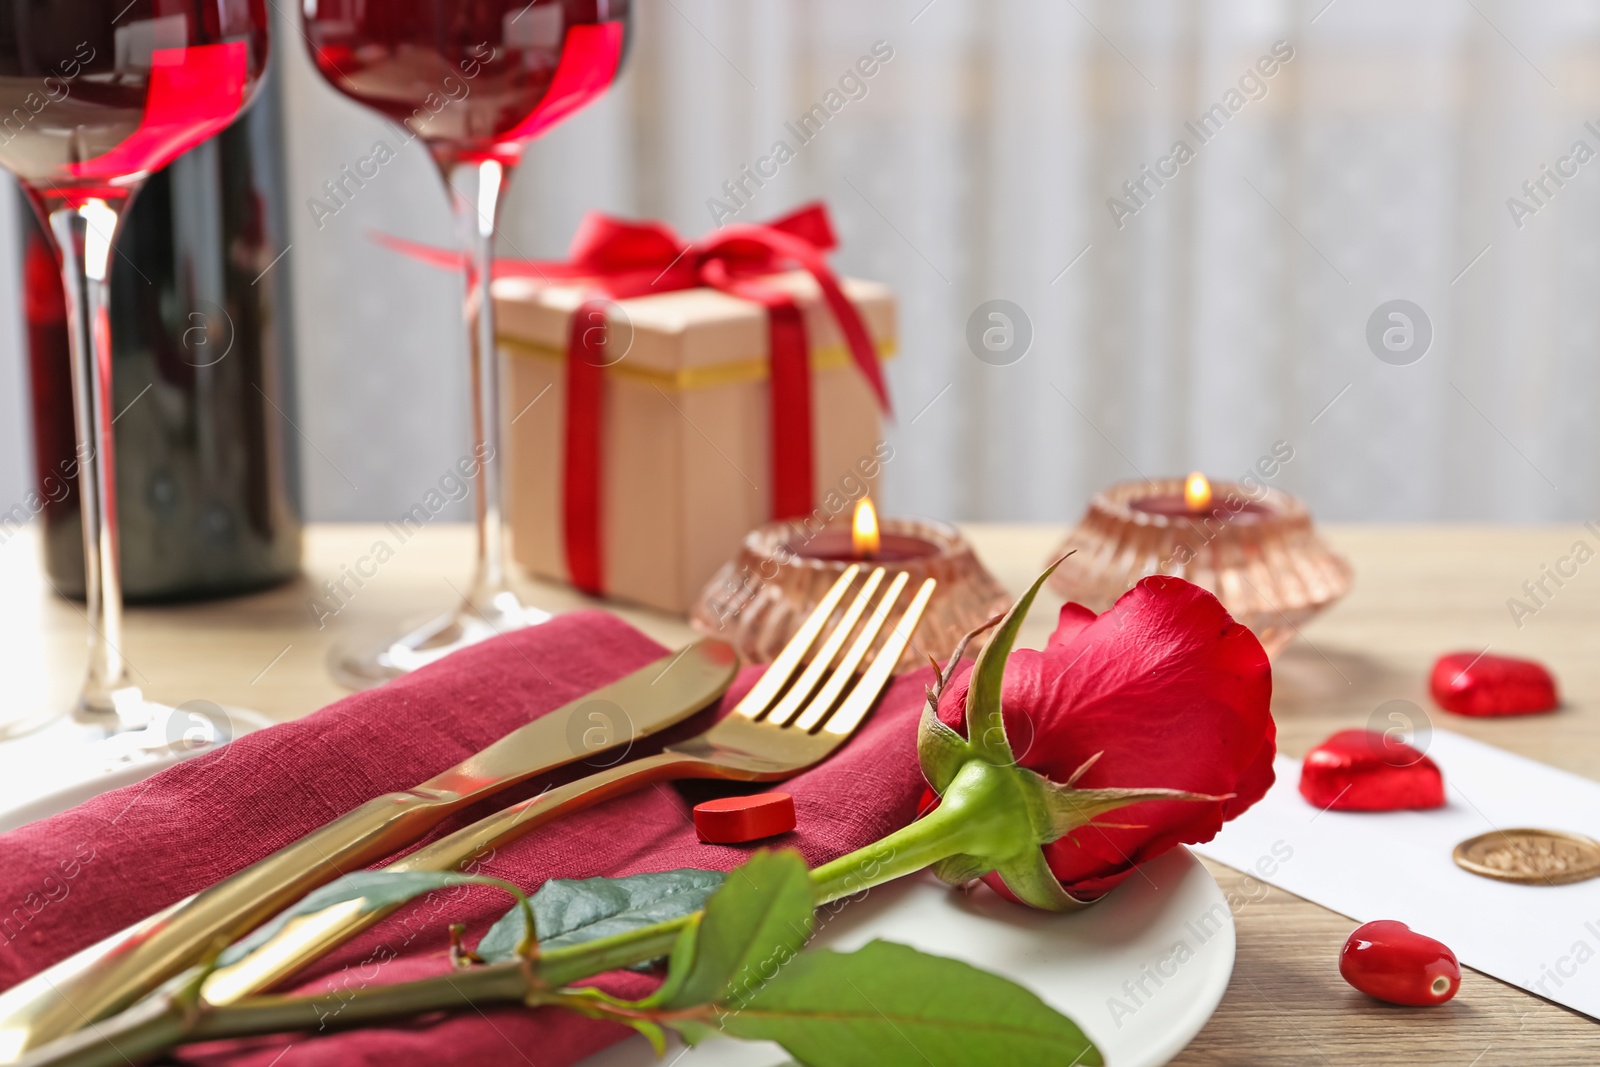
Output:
(1197, 492)
(864, 529)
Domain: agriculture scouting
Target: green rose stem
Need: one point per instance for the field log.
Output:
(982, 813)
(977, 815)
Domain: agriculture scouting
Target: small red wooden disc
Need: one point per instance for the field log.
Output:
(731, 820)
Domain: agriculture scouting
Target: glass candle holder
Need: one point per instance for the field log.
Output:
(1260, 555)
(757, 600)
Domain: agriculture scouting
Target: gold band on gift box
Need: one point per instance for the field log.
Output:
(737, 372)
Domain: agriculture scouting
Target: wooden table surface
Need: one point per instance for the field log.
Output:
(1419, 591)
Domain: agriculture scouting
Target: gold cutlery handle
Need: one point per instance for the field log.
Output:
(309, 937)
(109, 976)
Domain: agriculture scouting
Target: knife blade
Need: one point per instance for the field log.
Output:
(110, 975)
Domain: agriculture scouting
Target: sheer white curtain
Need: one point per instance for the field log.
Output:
(1228, 313)
(1231, 310)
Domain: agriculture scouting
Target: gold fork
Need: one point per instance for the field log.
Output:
(772, 734)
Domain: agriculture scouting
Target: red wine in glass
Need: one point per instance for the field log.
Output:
(94, 96)
(475, 81)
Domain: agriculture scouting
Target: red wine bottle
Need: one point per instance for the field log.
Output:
(203, 378)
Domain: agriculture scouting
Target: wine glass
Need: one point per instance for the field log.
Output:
(475, 81)
(94, 96)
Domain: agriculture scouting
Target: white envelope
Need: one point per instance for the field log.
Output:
(1397, 865)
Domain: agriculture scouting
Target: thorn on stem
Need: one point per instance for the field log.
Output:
(460, 958)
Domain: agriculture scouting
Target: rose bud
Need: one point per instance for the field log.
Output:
(1390, 961)
(1159, 707)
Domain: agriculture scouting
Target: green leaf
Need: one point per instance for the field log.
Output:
(372, 890)
(753, 926)
(986, 729)
(571, 911)
(891, 1006)
(940, 750)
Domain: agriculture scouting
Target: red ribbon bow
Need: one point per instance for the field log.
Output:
(620, 259)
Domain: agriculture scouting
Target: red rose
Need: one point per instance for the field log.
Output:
(1169, 692)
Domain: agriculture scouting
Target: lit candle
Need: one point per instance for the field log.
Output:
(1251, 545)
(1196, 502)
(783, 569)
(865, 541)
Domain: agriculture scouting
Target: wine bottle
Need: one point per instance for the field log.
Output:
(208, 492)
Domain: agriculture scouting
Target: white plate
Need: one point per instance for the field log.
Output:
(1140, 972)
(55, 768)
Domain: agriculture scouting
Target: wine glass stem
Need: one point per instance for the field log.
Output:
(84, 234)
(476, 191)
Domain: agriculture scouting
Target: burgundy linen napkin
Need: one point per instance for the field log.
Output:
(70, 880)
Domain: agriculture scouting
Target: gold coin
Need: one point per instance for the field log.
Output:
(1530, 857)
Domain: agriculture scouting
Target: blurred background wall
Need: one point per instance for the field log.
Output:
(1190, 323)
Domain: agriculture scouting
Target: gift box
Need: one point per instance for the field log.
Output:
(667, 437)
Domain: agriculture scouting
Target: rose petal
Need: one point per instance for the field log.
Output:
(1072, 620)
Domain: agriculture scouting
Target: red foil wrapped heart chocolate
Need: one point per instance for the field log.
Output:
(1390, 961)
(1468, 683)
(1364, 770)
(735, 820)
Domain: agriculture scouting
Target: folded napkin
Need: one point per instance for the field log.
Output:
(70, 880)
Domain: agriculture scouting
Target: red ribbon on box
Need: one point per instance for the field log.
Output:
(619, 259)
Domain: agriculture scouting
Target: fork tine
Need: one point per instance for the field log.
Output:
(846, 670)
(772, 682)
(824, 658)
(861, 698)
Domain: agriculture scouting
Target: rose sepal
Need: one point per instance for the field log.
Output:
(1031, 881)
(941, 751)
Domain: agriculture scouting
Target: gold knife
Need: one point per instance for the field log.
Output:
(110, 975)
